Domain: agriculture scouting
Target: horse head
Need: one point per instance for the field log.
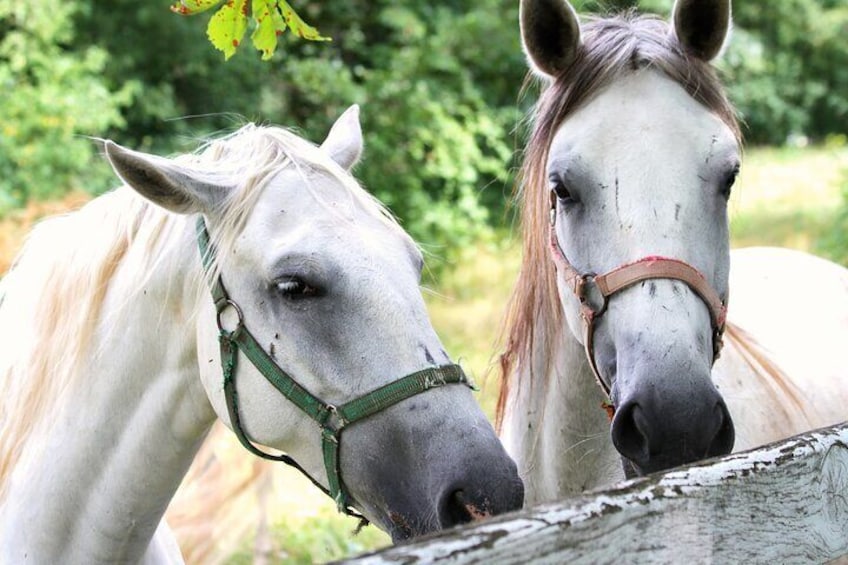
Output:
(326, 285)
(633, 157)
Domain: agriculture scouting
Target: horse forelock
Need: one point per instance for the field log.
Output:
(611, 48)
(252, 156)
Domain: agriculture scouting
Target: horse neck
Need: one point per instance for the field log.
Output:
(116, 450)
(554, 425)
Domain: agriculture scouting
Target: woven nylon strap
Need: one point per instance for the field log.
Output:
(593, 292)
(331, 419)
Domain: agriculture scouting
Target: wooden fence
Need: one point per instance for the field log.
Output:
(783, 503)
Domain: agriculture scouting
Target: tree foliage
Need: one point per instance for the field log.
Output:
(438, 82)
(48, 95)
(787, 68)
(438, 112)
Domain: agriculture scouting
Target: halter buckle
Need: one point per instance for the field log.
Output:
(590, 295)
(718, 342)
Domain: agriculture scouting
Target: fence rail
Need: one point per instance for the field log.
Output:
(784, 503)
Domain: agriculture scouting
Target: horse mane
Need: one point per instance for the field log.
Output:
(759, 361)
(611, 48)
(250, 157)
(51, 299)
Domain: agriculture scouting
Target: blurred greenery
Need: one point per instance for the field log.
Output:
(48, 96)
(834, 242)
(439, 84)
(327, 536)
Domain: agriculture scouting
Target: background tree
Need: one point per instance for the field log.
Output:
(439, 84)
(438, 111)
(48, 95)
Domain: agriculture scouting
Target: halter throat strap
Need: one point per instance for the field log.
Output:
(331, 419)
(594, 291)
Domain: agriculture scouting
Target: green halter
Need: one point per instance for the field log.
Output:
(331, 419)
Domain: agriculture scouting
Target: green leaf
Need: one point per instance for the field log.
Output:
(227, 27)
(297, 25)
(191, 7)
(269, 24)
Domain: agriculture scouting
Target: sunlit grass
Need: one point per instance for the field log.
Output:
(306, 528)
(787, 197)
(467, 308)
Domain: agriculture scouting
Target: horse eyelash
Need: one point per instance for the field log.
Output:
(288, 286)
(295, 288)
(558, 186)
(729, 181)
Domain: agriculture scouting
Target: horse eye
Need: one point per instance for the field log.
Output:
(295, 289)
(729, 180)
(562, 192)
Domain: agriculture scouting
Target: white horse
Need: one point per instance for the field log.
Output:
(116, 362)
(627, 266)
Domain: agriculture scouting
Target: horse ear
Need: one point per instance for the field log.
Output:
(344, 142)
(162, 181)
(702, 26)
(550, 34)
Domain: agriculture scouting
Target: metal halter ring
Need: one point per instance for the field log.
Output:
(222, 307)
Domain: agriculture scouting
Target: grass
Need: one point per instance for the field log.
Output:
(788, 197)
(311, 534)
(785, 197)
(467, 307)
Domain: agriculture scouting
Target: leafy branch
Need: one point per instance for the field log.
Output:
(227, 26)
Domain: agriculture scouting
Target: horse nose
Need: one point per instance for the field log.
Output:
(656, 437)
(465, 503)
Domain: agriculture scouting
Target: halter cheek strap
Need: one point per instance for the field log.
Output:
(594, 291)
(331, 419)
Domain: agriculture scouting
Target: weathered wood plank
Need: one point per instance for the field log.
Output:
(783, 503)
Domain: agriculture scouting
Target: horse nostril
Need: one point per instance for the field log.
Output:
(630, 432)
(456, 510)
(722, 443)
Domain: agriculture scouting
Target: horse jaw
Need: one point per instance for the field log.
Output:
(555, 428)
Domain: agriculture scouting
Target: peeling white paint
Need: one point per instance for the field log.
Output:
(785, 502)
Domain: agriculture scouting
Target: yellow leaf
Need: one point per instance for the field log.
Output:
(297, 25)
(227, 27)
(191, 7)
(269, 24)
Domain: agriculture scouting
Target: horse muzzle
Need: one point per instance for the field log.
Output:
(655, 432)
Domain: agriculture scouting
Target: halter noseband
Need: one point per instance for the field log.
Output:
(594, 291)
(331, 419)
